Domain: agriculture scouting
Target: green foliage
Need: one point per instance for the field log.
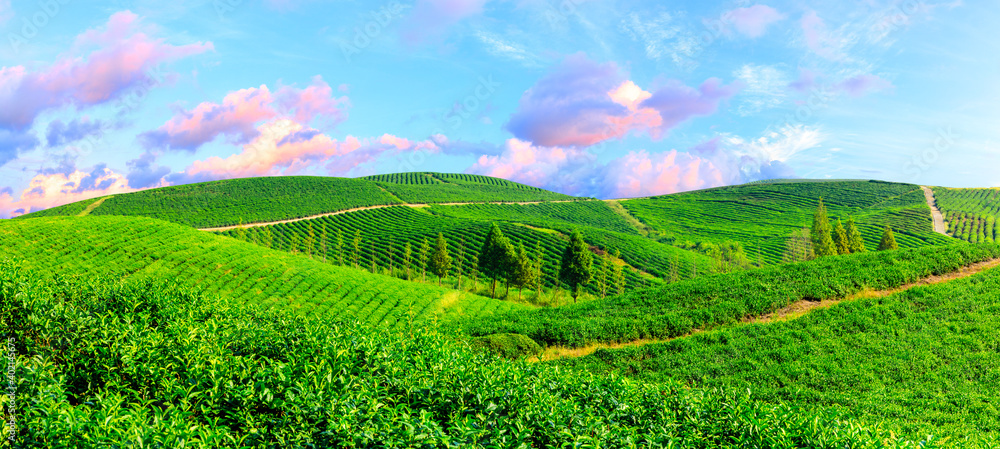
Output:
(523, 271)
(576, 267)
(445, 188)
(508, 346)
(855, 244)
(972, 215)
(888, 241)
(923, 361)
(840, 239)
(563, 217)
(168, 368)
(707, 302)
(223, 203)
(142, 248)
(823, 244)
(496, 256)
(425, 252)
(767, 214)
(799, 247)
(440, 261)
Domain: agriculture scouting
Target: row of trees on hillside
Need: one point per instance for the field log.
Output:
(823, 240)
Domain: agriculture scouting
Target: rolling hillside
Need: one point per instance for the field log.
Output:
(762, 216)
(143, 248)
(972, 215)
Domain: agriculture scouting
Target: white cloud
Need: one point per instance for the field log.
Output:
(765, 87)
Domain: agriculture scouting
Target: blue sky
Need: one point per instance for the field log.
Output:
(588, 97)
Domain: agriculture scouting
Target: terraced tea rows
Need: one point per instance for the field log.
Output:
(923, 361)
(706, 302)
(972, 215)
(129, 247)
(762, 216)
(397, 226)
(446, 188)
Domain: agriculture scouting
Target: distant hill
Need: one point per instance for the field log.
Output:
(251, 200)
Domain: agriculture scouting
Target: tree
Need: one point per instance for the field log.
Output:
(821, 238)
(325, 236)
(371, 251)
(523, 272)
(241, 232)
(798, 247)
(311, 240)
(388, 255)
(425, 250)
(293, 243)
(840, 239)
(408, 259)
(494, 257)
(602, 278)
(340, 247)
(854, 241)
(356, 243)
(618, 274)
(440, 262)
(577, 263)
(888, 240)
(539, 264)
(266, 237)
(460, 263)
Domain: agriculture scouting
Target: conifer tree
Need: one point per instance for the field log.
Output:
(840, 239)
(821, 233)
(460, 263)
(356, 243)
(576, 267)
(494, 257)
(408, 259)
(539, 264)
(425, 252)
(888, 240)
(440, 261)
(854, 241)
(523, 272)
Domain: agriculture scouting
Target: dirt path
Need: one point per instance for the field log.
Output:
(90, 208)
(356, 209)
(786, 313)
(935, 213)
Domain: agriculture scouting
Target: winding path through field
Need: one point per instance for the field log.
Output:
(786, 313)
(356, 209)
(936, 215)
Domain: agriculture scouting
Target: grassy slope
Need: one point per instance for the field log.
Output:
(252, 200)
(446, 187)
(765, 214)
(926, 361)
(145, 248)
(110, 365)
(972, 215)
(677, 309)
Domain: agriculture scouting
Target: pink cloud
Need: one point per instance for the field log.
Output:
(123, 61)
(857, 86)
(47, 190)
(240, 111)
(818, 38)
(430, 18)
(286, 147)
(582, 103)
(806, 81)
(752, 21)
(533, 165)
(642, 174)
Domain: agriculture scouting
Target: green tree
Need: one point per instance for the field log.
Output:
(602, 277)
(425, 252)
(840, 239)
(523, 270)
(855, 243)
(241, 232)
(371, 251)
(311, 240)
(266, 237)
(460, 262)
(888, 240)
(408, 259)
(798, 247)
(389, 255)
(356, 244)
(494, 257)
(576, 267)
(325, 238)
(618, 273)
(340, 247)
(822, 240)
(539, 273)
(440, 261)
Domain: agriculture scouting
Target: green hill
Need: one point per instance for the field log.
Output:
(143, 248)
(106, 364)
(253, 200)
(972, 215)
(762, 216)
(924, 361)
